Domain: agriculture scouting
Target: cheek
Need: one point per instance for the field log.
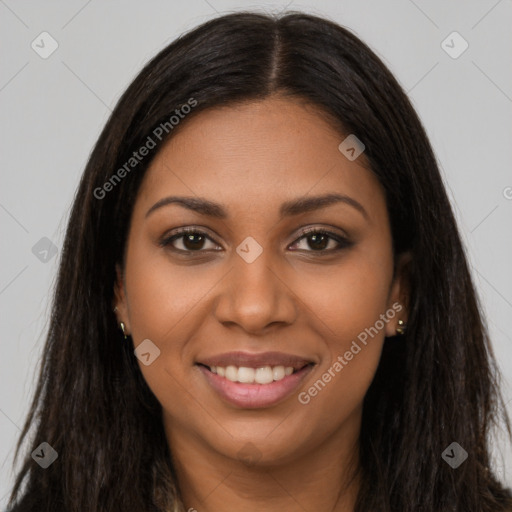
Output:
(165, 302)
(162, 294)
(349, 297)
(347, 304)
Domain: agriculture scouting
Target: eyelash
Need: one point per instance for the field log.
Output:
(342, 242)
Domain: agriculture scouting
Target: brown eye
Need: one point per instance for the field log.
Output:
(317, 240)
(191, 240)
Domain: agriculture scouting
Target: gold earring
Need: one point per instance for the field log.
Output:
(402, 327)
(121, 324)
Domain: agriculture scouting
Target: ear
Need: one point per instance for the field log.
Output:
(120, 302)
(399, 293)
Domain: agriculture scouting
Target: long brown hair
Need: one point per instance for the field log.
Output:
(440, 386)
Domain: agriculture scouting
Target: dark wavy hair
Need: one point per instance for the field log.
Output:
(440, 385)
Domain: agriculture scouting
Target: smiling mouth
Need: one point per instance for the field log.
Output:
(247, 375)
(262, 387)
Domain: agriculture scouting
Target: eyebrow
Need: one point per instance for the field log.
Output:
(287, 209)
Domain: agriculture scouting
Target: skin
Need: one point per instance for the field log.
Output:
(251, 158)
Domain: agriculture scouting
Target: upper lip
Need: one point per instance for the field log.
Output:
(256, 360)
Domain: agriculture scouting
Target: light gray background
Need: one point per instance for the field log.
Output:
(53, 110)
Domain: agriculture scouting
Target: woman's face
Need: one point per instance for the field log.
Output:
(249, 289)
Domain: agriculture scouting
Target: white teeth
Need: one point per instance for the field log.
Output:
(263, 375)
(246, 375)
(278, 372)
(232, 373)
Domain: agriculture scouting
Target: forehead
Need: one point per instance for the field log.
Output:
(254, 154)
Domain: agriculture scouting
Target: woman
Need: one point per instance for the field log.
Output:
(263, 301)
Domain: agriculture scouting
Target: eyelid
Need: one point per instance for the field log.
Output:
(342, 240)
(321, 229)
(176, 234)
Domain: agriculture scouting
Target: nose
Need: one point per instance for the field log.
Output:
(255, 296)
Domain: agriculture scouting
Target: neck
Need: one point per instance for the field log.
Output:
(321, 477)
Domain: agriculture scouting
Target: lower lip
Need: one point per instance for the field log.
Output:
(254, 396)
